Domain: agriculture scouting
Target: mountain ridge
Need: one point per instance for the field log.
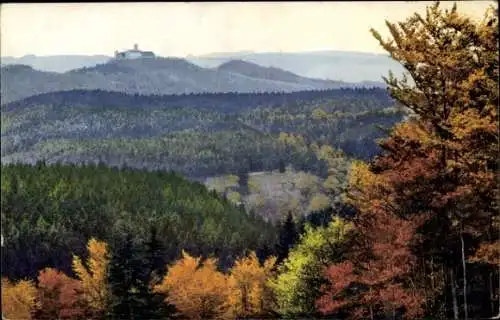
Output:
(155, 76)
(350, 66)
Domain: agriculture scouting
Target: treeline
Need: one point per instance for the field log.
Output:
(220, 102)
(50, 212)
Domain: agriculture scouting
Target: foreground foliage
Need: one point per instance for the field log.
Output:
(19, 299)
(300, 276)
(428, 203)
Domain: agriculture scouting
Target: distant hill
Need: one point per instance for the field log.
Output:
(332, 65)
(58, 63)
(157, 76)
(271, 73)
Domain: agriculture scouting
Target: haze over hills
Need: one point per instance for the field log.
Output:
(158, 76)
(57, 63)
(333, 65)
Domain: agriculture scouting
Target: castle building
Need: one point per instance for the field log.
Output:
(134, 54)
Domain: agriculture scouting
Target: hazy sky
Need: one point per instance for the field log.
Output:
(180, 29)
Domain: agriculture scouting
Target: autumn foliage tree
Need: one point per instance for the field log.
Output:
(19, 300)
(299, 278)
(427, 203)
(249, 293)
(374, 280)
(59, 296)
(93, 276)
(197, 289)
(488, 253)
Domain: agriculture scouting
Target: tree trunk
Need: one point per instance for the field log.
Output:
(498, 314)
(244, 297)
(492, 292)
(433, 283)
(371, 308)
(464, 266)
(454, 294)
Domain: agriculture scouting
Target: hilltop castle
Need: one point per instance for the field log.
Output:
(134, 54)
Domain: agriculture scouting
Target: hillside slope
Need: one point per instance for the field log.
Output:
(47, 210)
(196, 135)
(151, 76)
(271, 73)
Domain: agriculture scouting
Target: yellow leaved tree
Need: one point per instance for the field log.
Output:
(249, 293)
(93, 276)
(18, 299)
(196, 289)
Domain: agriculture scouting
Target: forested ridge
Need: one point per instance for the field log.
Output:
(412, 233)
(196, 135)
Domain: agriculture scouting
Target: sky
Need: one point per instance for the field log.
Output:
(197, 28)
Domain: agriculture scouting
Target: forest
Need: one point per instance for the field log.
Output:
(195, 135)
(410, 233)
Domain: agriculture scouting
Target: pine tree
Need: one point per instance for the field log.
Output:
(288, 236)
(282, 166)
(243, 180)
(155, 256)
(156, 268)
(128, 284)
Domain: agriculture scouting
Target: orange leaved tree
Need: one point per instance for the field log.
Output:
(196, 289)
(59, 296)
